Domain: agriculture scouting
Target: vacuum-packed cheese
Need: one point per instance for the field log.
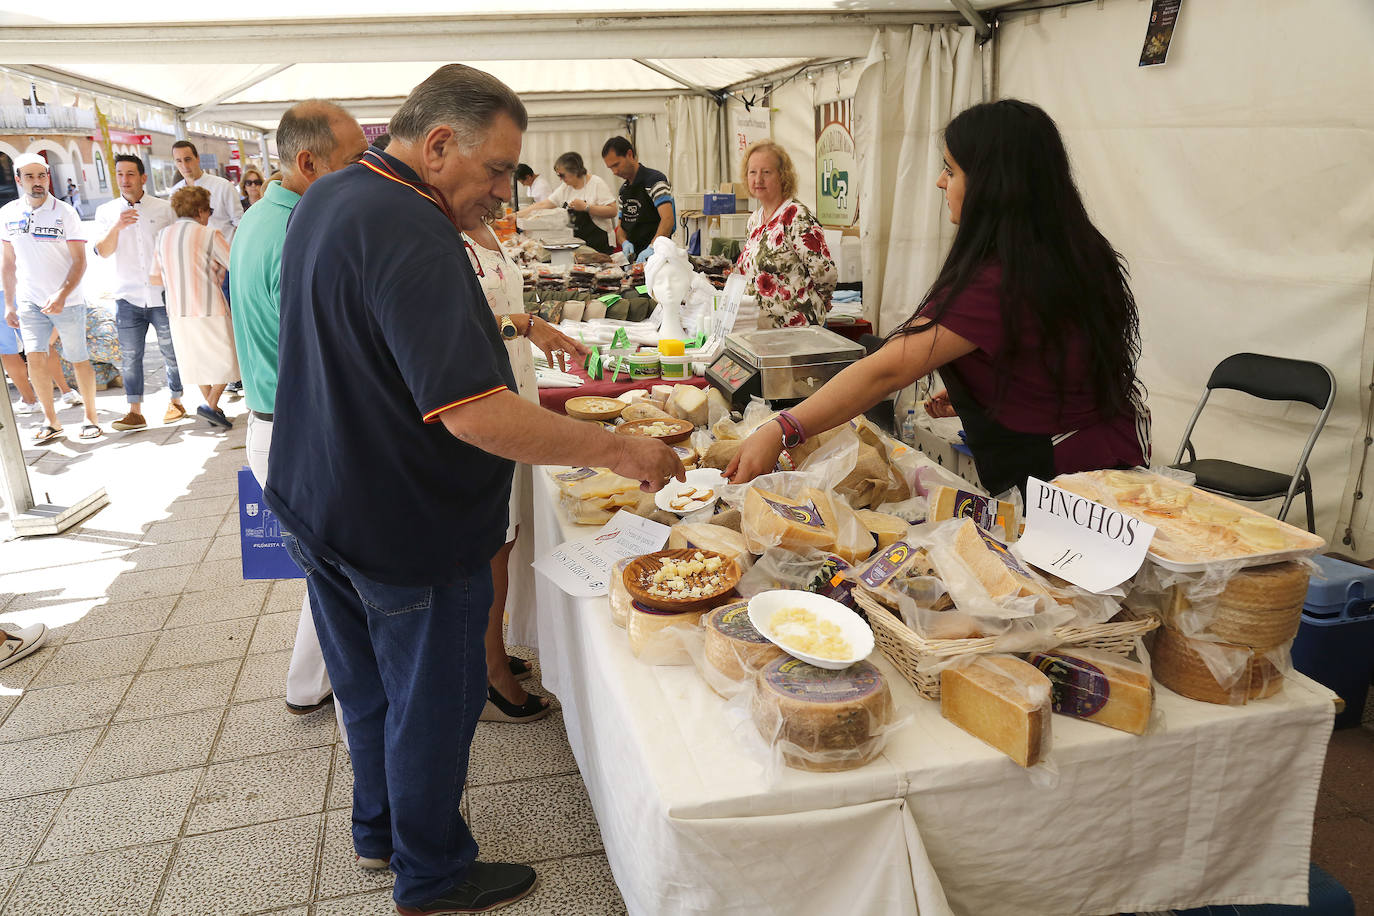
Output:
(1098, 686)
(619, 594)
(822, 720)
(986, 512)
(649, 642)
(1003, 701)
(988, 559)
(771, 519)
(887, 529)
(687, 402)
(733, 646)
(1180, 664)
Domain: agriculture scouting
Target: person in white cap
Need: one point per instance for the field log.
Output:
(44, 259)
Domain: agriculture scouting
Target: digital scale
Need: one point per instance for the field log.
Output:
(780, 364)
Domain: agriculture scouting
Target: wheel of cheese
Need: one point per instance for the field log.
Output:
(645, 627)
(1178, 665)
(733, 646)
(1260, 607)
(620, 595)
(823, 720)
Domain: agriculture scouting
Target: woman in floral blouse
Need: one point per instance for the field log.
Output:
(785, 261)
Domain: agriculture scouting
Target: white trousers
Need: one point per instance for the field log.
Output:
(307, 681)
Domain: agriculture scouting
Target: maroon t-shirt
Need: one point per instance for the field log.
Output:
(1030, 402)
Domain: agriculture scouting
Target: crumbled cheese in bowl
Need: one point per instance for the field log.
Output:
(698, 576)
(802, 630)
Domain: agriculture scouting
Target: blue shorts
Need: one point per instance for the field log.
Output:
(36, 326)
(9, 339)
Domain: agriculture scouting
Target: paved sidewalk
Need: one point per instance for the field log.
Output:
(147, 762)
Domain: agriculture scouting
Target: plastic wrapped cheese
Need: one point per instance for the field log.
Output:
(687, 455)
(1216, 672)
(1002, 701)
(887, 529)
(651, 639)
(1099, 687)
(988, 559)
(619, 594)
(813, 520)
(822, 720)
(687, 402)
(711, 537)
(987, 513)
(733, 646)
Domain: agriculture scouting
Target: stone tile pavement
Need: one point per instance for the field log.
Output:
(147, 764)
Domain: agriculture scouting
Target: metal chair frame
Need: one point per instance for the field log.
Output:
(1301, 479)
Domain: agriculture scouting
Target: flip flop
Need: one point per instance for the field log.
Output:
(91, 431)
(46, 434)
(19, 643)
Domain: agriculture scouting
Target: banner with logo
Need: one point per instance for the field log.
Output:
(837, 198)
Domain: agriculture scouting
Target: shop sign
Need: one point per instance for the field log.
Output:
(123, 136)
(837, 198)
(1091, 545)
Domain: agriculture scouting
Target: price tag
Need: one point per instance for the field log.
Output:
(583, 567)
(1089, 544)
(610, 299)
(642, 290)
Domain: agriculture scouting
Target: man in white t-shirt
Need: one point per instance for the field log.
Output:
(126, 230)
(226, 209)
(43, 261)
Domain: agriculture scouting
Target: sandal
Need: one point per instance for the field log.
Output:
(46, 434)
(519, 667)
(499, 709)
(91, 431)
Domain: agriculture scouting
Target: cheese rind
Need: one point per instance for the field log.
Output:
(814, 520)
(620, 595)
(988, 559)
(688, 402)
(822, 720)
(1003, 701)
(985, 511)
(711, 537)
(886, 529)
(1099, 687)
(733, 646)
(649, 642)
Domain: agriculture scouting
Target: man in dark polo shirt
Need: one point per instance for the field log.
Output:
(646, 200)
(395, 483)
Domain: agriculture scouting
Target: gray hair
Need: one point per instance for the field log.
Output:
(308, 126)
(463, 98)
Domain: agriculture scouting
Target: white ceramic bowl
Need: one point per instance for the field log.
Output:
(702, 479)
(855, 631)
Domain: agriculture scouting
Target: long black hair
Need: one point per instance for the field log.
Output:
(1060, 275)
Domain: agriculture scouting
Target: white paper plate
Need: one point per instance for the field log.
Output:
(764, 605)
(702, 479)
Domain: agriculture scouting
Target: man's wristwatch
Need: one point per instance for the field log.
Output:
(508, 329)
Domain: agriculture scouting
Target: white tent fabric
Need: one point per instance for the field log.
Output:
(694, 144)
(1240, 195)
(913, 82)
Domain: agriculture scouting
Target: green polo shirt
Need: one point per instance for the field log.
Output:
(255, 293)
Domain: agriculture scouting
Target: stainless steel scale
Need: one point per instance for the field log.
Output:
(780, 364)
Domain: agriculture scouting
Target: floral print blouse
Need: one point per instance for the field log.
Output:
(788, 267)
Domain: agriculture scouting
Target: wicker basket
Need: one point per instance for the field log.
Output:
(913, 654)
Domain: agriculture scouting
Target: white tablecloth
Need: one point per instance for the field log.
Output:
(1217, 808)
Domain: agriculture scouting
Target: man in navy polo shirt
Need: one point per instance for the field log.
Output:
(646, 200)
(395, 483)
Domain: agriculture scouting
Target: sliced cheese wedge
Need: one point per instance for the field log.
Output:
(1003, 701)
(1099, 687)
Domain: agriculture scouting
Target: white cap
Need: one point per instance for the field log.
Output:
(29, 159)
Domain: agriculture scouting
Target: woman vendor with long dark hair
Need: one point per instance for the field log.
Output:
(1030, 321)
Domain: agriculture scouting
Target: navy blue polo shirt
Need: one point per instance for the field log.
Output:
(384, 326)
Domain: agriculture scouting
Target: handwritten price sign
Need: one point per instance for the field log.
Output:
(1089, 544)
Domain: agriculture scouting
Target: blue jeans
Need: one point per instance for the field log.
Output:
(409, 667)
(131, 323)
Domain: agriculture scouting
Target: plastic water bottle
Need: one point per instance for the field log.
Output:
(908, 430)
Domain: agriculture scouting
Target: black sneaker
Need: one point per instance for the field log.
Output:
(489, 886)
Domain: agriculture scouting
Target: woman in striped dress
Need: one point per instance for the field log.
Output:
(192, 259)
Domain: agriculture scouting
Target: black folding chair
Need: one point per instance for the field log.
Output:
(1273, 378)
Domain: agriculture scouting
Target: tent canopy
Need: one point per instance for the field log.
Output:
(550, 51)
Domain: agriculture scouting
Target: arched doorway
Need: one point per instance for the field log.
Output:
(8, 189)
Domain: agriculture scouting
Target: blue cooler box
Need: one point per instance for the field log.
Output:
(1335, 644)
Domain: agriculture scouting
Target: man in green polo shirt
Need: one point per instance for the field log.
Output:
(313, 138)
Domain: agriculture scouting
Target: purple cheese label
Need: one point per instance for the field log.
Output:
(645, 609)
(830, 581)
(733, 621)
(1077, 688)
(885, 566)
(982, 509)
(575, 474)
(807, 514)
(801, 681)
(997, 547)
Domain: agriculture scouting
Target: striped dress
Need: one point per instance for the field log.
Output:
(202, 334)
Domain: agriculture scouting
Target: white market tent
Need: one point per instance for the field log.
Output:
(1237, 179)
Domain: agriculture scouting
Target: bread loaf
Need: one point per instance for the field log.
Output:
(1003, 701)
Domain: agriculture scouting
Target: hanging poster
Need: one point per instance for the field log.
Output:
(746, 128)
(837, 199)
(1163, 18)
